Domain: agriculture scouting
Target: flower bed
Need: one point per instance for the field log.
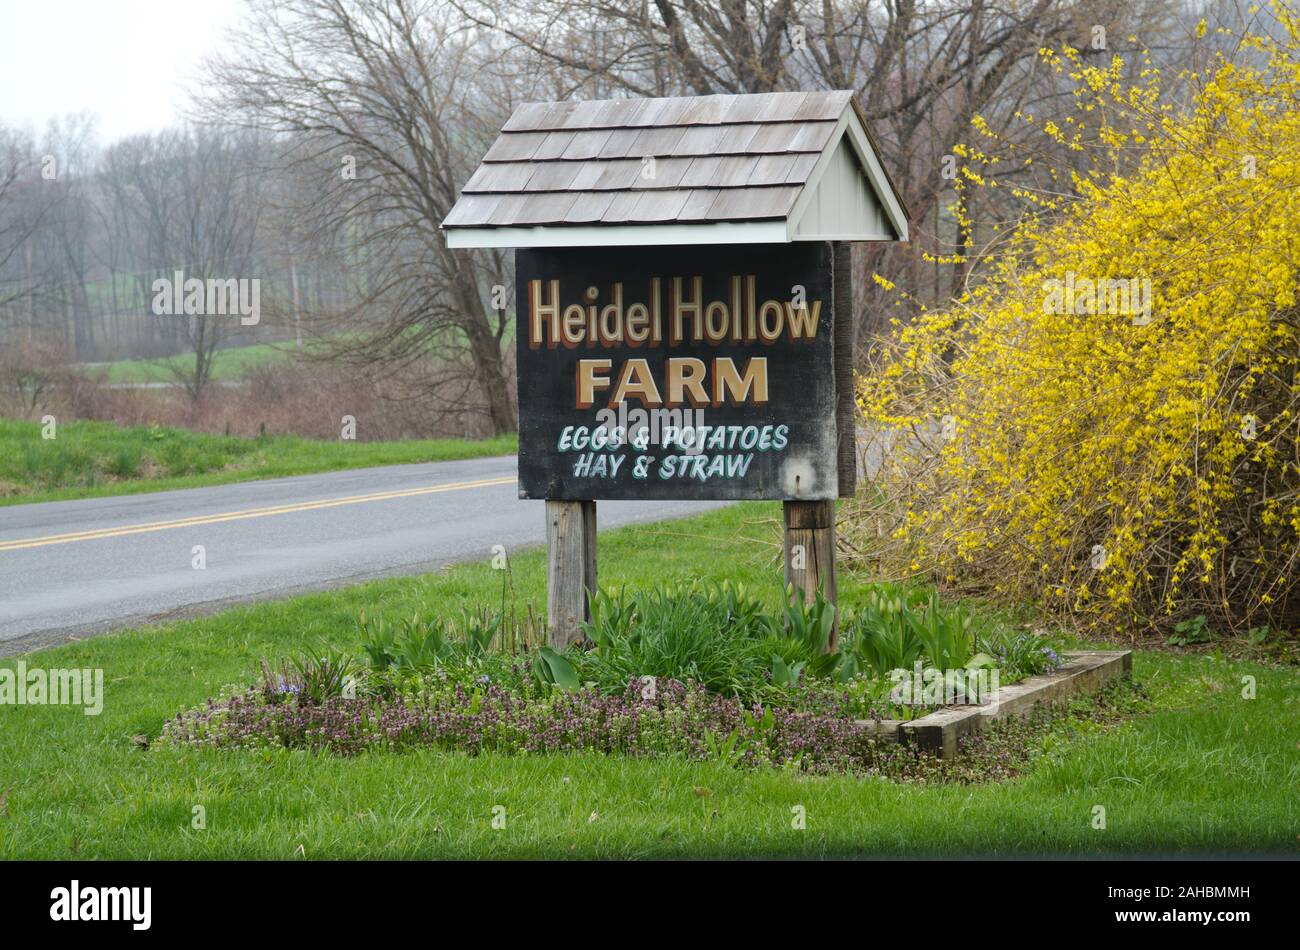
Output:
(697, 673)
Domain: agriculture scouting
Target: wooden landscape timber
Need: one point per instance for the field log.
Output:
(1086, 672)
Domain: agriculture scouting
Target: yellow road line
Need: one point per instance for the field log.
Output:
(247, 513)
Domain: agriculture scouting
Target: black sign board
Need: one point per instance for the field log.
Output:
(700, 372)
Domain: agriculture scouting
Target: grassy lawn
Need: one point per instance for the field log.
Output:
(1203, 770)
(91, 459)
(228, 364)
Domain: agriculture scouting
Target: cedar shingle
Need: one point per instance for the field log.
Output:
(547, 208)
(659, 206)
(668, 173)
(618, 176)
(699, 140)
(749, 108)
(753, 203)
(826, 105)
(784, 107)
(776, 137)
(471, 210)
(734, 171)
(717, 158)
(553, 146)
(812, 136)
(501, 176)
(706, 110)
(771, 170)
(516, 147)
(701, 172)
(619, 143)
(586, 144)
(736, 138)
(506, 211)
(697, 205)
(526, 117)
(553, 176)
(801, 168)
(620, 209)
(657, 141)
(589, 207)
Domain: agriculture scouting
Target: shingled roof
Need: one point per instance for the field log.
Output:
(698, 169)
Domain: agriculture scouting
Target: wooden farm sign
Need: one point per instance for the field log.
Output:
(676, 372)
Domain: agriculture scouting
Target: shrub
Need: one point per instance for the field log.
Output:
(39, 378)
(1127, 469)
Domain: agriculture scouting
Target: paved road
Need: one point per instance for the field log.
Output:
(77, 568)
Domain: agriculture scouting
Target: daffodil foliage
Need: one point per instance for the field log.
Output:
(1106, 419)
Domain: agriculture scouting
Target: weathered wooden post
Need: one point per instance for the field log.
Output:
(570, 568)
(810, 553)
(809, 526)
(683, 309)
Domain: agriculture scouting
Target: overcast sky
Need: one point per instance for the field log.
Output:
(128, 61)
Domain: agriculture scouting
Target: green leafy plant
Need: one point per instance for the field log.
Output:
(550, 668)
(810, 625)
(880, 636)
(715, 635)
(1191, 631)
(478, 630)
(945, 633)
(378, 642)
(728, 751)
(1019, 653)
(784, 675)
(311, 678)
(429, 644)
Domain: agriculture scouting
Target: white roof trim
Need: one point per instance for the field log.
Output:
(621, 235)
(852, 128)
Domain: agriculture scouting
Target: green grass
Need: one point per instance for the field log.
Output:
(227, 364)
(1202, 771)
(231, 363)
(91, 459)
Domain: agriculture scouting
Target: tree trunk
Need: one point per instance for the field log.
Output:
(486, 354)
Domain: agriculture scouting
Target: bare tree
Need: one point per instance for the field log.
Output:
(25, 201)
(193, 198)
(387, 107)
(921, 69)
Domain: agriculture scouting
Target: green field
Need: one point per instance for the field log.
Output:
(91, 459)
(226, 364)
(1202, 770)
(234, 362)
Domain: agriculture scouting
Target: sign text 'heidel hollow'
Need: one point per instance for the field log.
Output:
(676, 372)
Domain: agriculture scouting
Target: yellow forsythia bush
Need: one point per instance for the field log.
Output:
(1106, 420)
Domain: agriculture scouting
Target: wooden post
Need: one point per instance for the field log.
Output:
(810, 553)
(570, 568)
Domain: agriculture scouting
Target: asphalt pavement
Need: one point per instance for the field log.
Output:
(74, 569)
